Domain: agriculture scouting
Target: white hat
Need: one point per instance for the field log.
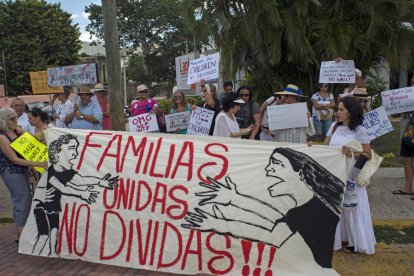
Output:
(239, 101)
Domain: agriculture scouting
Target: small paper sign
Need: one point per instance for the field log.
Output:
(31, 149)
(337, 72)
(398, 100)
(206, 68)
(143, 123)
(200, 121)
(287, 116)
(377, 123)
(177, 121)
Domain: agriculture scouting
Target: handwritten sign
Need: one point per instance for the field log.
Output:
(177, 121)
(187, 205)
(72, 75)
(337, 72)
(287, 116)
(398, 100)
(206, 68)
(377, 123)
(143, 123)
(40, 86)
(200, 121)
(31, 149)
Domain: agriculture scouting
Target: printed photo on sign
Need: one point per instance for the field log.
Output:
(200, 121)
(287, 116)
(146, 122)
(72, 75)
(206, 68)
(398, 100)
(337, 72)
(187, 205)
(377, 123)
(177, 121)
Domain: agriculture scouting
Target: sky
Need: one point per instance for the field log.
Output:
(77, 9)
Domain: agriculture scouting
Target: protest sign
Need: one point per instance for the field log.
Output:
(200, 121)
(177, 121)
(31, 149)
(187, 205)
(72, 75)
(287, 116)
(398, 100)
(337, 72)
(40, 85)
(143, 123)
(182, 64)
(206, 68)
(377, 123)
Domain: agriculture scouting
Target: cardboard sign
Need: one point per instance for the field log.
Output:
(337, 72)
(398, 100)
(200, 121)
(40, 85)
(31, 149)
(206, 68)
(287, 116)
(72, 75)
(182, 64)
(187, 205)
(377, 123)
(143, 123)
(177, 121)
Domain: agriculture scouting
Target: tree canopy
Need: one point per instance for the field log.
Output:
(35, 35)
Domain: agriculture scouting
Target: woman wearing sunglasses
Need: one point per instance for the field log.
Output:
(179, 104)
(142, 104)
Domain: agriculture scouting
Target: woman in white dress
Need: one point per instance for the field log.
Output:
(226, 124)
(355, 225)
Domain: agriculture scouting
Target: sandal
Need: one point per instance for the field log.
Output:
(400, 192)
(350, 249)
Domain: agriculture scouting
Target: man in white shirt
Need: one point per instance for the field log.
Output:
(23, 121)
(63, 108)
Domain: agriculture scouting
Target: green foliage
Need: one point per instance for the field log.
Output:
(165, 105)
(375, 85)
(388, 146)
(391, 235)
(35, 35)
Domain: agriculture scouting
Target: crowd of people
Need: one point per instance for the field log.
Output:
(236, 115)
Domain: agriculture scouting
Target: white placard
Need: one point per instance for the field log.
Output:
(206, 68)
(200, 121)
(143, 123)
(72, 75)
(398, 100)
(287, 116)
(182, 64)
(377, 123)
(337, 72)
(177, 121)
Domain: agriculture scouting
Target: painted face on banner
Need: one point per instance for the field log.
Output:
(71, 150)
(287, 180)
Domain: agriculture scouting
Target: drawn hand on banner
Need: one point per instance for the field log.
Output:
(89, 195)
(217, 192)
(204, 221)
(109, 182)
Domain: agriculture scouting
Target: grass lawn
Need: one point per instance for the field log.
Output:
(390, 143)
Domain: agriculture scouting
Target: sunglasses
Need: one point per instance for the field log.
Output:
(143, 91)
(178, 97)
(13, 119)
(244, 95)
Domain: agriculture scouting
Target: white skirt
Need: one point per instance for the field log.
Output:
(355, 226)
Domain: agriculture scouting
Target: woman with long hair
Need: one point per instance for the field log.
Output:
(14, 169)
(39, 120)
(179, 104)
(355, 226)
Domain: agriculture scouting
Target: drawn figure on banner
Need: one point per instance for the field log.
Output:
(306, 199)
(62, 179)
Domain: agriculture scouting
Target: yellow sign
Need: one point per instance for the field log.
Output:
(40, 86)
(31, 149)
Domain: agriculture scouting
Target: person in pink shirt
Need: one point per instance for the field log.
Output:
(142, 104)
(101, 94)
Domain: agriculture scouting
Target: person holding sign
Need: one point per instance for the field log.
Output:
(249, 113)
(14, 169)
(209, 101)
(355, 225)
(63, 108)
(87, 114)
(291, 95)
(142, 104)
(322, 110)
(226, 123)
(179, 104)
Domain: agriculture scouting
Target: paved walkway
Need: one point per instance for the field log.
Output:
(385, 206)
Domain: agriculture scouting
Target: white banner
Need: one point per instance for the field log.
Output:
(72, 75)
(287, 116)
(206, 68)
(337, 72)
(182, 64)
(187, 205)
(200, 121)
(377, 123)
(143, 123)
(398, 100)
(177, 121)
